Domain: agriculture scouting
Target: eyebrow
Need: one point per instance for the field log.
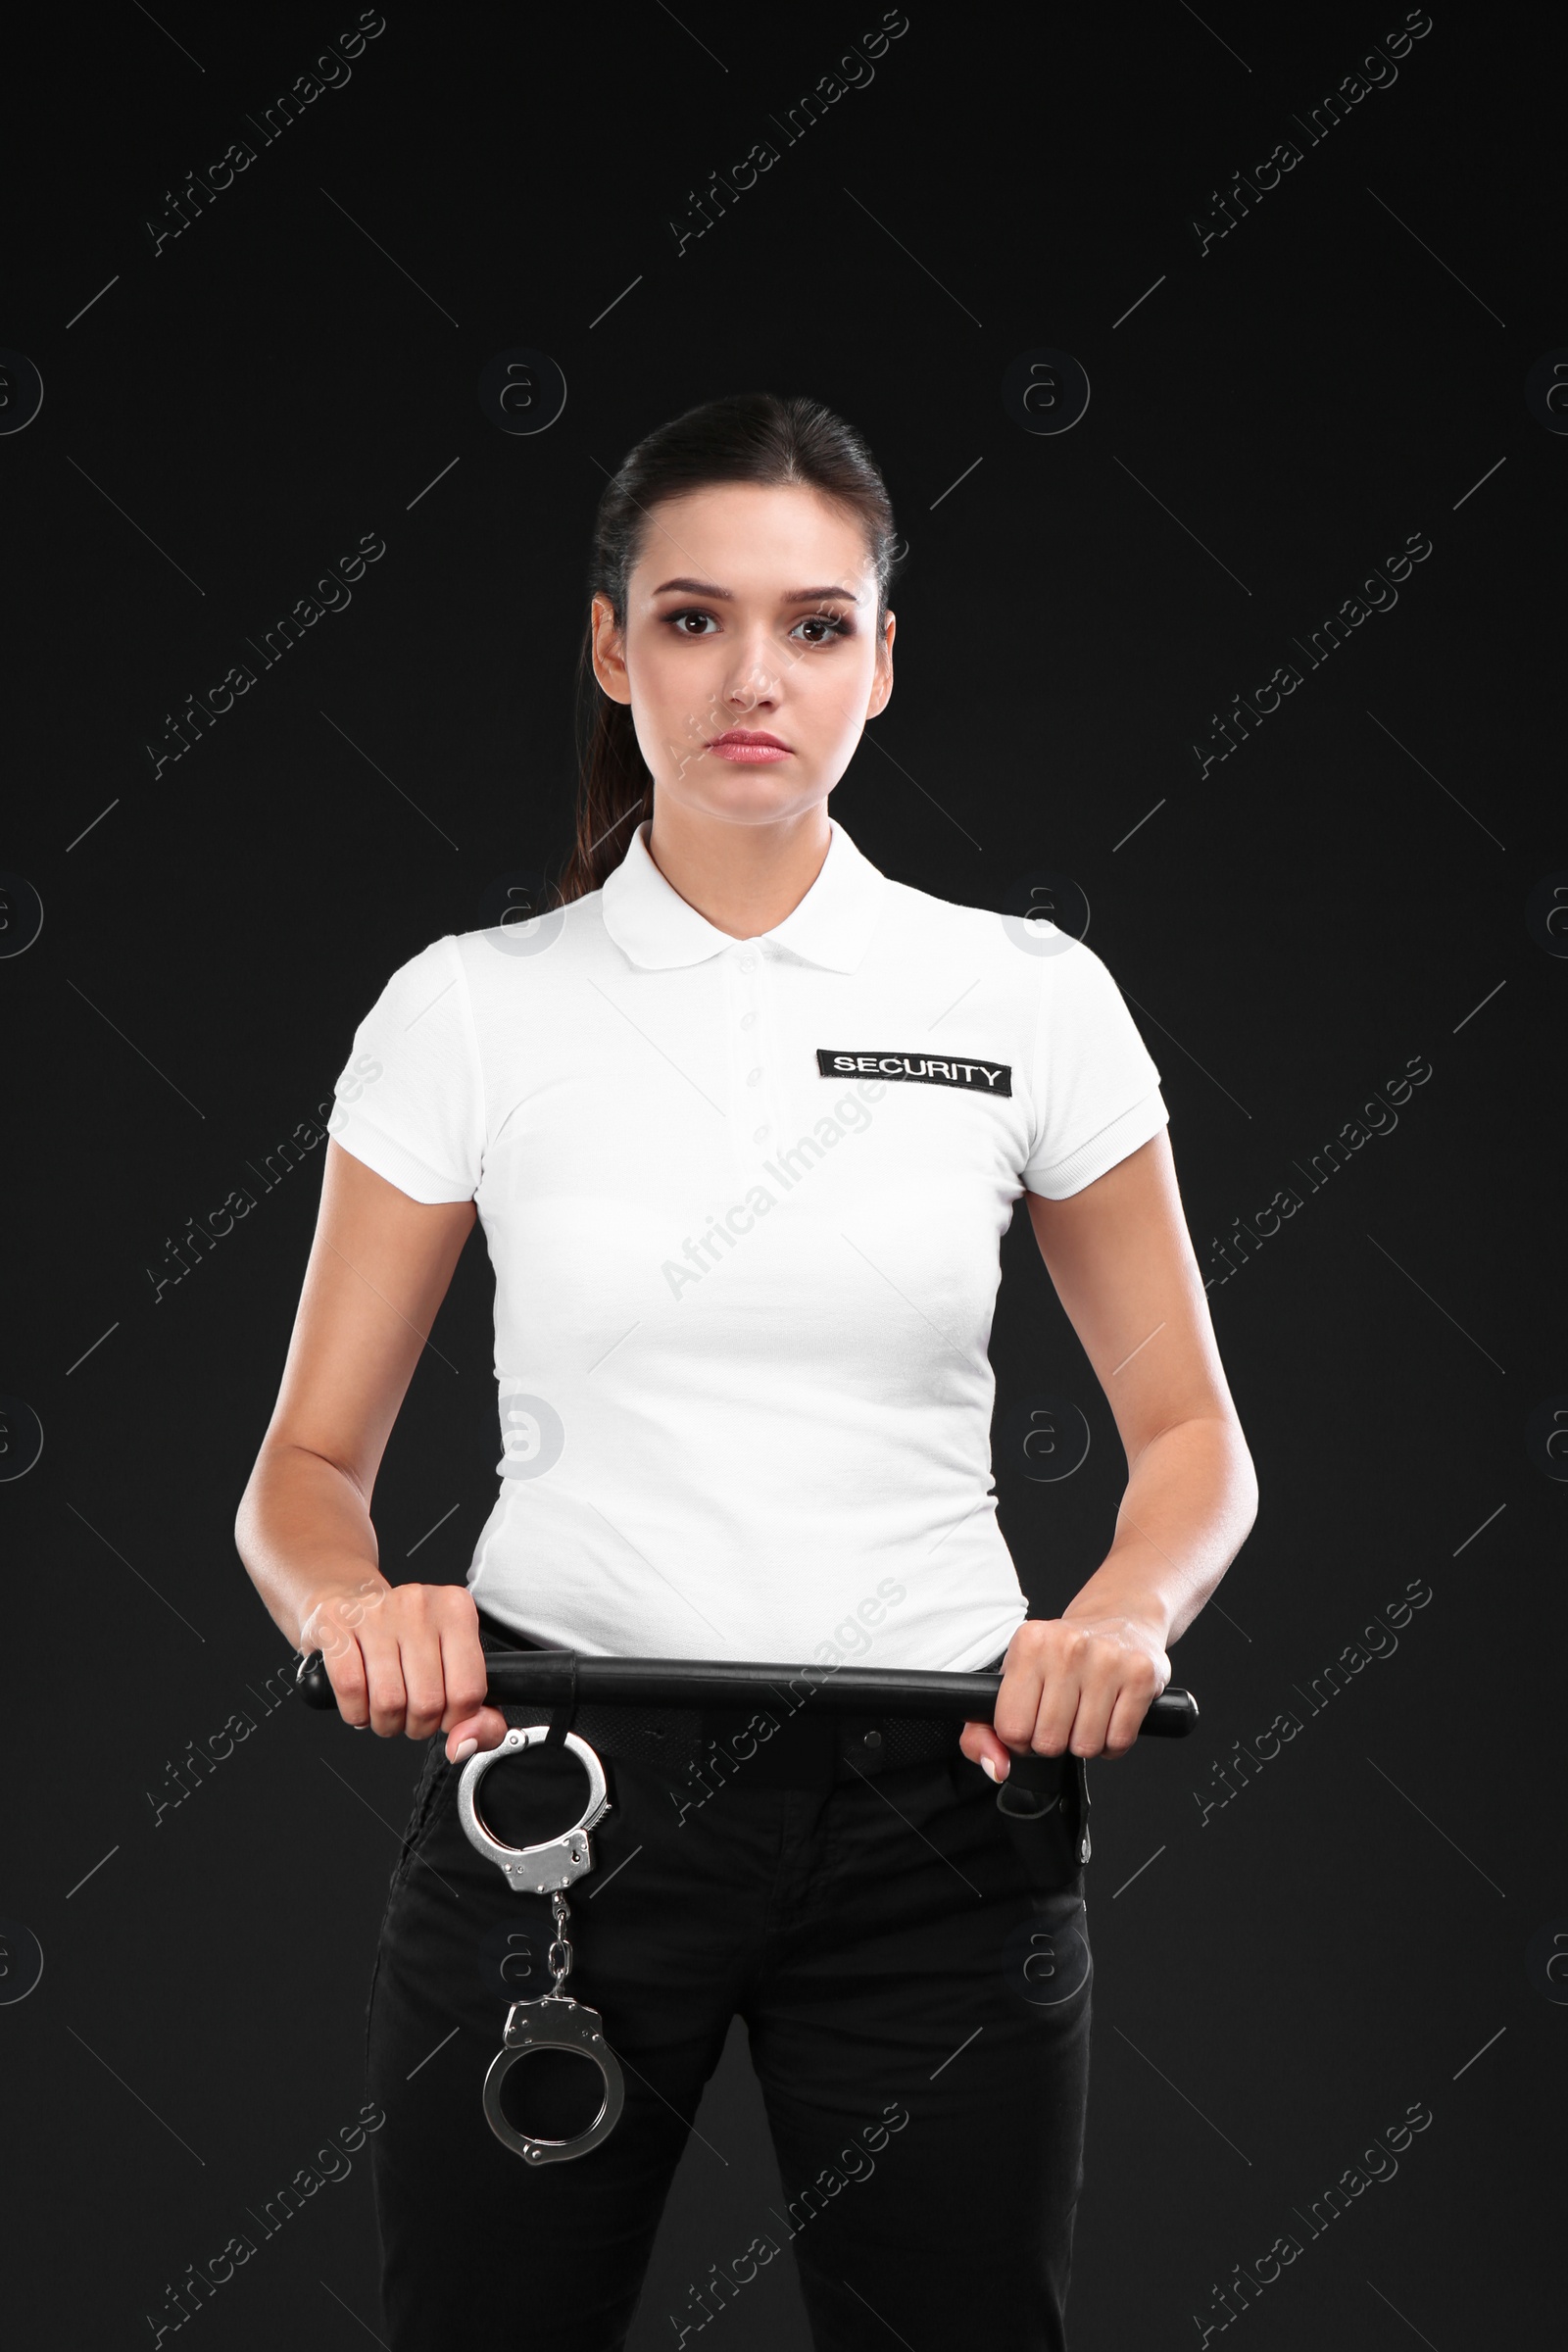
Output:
(792, 596)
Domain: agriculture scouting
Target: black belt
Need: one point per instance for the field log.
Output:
(782, 1744)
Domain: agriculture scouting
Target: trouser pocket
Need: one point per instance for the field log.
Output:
(433, 1783)
(435, 1778)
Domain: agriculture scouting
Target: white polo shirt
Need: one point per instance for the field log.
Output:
(744, 1201)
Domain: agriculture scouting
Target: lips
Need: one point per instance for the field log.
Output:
(746, 749)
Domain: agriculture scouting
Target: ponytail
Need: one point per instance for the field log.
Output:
(614, 790)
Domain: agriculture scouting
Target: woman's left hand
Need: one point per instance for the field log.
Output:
(1082, 1684)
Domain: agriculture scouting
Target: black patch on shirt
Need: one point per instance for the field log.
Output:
(922, 1069)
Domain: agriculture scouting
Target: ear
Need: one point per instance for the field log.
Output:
(609, 652)
(882, 681)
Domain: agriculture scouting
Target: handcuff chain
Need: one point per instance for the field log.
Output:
(560, 1969)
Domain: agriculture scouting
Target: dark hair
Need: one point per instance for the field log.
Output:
(745, 437)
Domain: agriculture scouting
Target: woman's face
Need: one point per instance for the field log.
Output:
(750, 611)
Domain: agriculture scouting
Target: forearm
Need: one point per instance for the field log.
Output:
(304, 1531)
(1190, 1500)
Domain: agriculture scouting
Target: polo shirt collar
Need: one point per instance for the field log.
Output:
(832, 926)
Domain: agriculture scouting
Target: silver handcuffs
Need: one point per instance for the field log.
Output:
(553, 2021)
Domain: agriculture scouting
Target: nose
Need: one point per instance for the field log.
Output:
(753, 680)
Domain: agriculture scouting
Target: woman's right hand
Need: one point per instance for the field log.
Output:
(406, 1659)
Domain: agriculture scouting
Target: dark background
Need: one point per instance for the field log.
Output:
(1367, 1927)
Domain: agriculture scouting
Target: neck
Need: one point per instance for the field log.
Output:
(743, 879)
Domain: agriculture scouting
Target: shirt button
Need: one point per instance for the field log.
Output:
(761, 1135)
(746, 1018)
(748, 963)
(753, 1077)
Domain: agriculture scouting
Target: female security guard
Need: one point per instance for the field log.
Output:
(744, 1120)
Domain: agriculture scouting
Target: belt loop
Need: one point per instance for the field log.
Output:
(563, 1712)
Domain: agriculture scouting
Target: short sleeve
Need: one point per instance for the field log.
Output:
(410, 1102)
(1093, 1088)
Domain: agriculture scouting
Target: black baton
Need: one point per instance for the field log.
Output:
(548, 1678)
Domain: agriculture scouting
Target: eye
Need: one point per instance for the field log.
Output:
(834, 626)
(672, 620)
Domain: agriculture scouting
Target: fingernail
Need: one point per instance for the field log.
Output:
(464, 1749)
(988, 1767)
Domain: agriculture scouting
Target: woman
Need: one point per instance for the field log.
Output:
(744, 1120)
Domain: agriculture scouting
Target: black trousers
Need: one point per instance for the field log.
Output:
(916, 1994)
